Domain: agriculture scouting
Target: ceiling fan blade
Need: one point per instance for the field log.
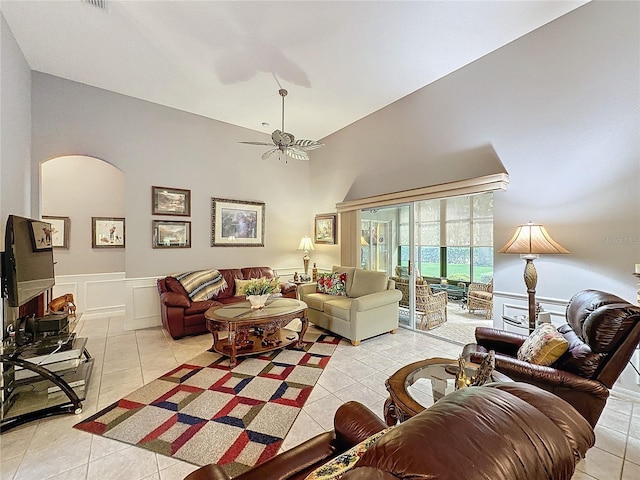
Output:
(258, 143)
(296, 153)
(269, 153)
(307, 144)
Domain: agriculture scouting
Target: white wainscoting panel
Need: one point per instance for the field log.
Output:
(511, 304)
(143, 304)
(97, 294)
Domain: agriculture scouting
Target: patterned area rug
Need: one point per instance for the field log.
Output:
(202, 412)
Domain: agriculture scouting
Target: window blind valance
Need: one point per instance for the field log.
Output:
(488, 183)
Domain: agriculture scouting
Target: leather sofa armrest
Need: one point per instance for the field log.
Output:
(499, 340)
(375, 300)
(172, 299)
(521, 371)
(353, 423)
(286, 287)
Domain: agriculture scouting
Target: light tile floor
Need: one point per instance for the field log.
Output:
(124, 361)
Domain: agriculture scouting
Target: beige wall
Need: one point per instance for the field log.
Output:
(15, 125)
(81, 187)
(559, 109)
(156, 145)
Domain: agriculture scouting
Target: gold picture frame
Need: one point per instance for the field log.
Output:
(325, 230)
(237, 223)
(107, 232)
(171, 234)
(170, 201)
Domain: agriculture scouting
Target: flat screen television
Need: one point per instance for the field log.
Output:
(27, 269)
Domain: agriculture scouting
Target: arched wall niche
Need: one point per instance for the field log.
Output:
(82, 187)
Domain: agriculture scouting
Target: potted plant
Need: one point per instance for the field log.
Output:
(258, 291)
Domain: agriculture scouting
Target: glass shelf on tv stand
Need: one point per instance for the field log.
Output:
(47, 377)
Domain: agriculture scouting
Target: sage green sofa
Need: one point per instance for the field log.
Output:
(369, 309)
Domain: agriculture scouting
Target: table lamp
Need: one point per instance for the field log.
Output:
(530, 241)
(306, 245)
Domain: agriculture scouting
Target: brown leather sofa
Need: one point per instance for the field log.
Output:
(181, 316)
(602, 330)
(499, 431)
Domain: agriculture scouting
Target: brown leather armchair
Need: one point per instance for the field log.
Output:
(502, 431)
(602, 331)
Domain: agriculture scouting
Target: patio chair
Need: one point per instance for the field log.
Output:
(430, 307)
(480, 297)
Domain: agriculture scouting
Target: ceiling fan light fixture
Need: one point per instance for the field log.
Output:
(285, 142)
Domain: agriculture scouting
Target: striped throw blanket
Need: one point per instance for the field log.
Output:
(202, 284)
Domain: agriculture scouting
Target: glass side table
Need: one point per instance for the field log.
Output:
(419, 385)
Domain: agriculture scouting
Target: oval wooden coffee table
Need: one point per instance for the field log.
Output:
(419, 385)
(255, 331)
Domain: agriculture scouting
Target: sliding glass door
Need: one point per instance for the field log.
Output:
(448, 240)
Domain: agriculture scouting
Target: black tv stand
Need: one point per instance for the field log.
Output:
(47, 377)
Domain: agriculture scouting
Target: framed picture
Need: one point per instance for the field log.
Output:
(325, 228)
(59, 230)
(237, 223)
(170, 201)
(167, 234)
(40, 233)
(107, 232)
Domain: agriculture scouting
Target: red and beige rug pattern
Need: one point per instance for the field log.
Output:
(202, 412)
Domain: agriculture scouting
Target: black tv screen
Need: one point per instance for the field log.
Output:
(28, 260)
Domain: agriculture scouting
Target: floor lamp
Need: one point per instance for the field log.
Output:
(530, 241)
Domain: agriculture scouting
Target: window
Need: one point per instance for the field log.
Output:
(453, 238)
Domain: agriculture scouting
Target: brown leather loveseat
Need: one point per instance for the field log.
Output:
(602, 332)
(499, 431)
(181, 316)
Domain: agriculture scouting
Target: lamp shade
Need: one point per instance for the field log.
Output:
(306, 244)
(532, 239)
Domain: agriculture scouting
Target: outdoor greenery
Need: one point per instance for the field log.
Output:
(458, 262)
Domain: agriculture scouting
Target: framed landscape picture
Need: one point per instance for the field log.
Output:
(170, 201)
(40, 233)
(107, 232)
(325, 229)
(168, 234)
(59, 230)
(237, 223)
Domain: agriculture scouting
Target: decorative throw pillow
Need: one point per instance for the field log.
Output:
(240, 286)
(335, 467)
(323, 279)
(337, 284)
(544, 346)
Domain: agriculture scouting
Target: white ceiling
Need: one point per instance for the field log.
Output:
(340, 61)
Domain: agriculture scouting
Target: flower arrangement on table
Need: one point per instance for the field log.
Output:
(258, 291)
(260, 286)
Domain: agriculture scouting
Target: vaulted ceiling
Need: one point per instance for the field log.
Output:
(339, 60)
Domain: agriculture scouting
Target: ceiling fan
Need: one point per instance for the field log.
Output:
(286, 142)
